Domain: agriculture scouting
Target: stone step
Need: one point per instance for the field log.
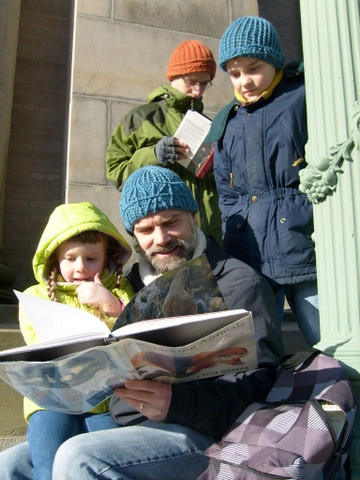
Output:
(12, 423)
(294, 340)
(7, 441)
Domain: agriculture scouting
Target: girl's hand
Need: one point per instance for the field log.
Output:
(152, 399)
(94, 293)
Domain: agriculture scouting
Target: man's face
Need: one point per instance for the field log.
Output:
(166, 239)
(193, 85)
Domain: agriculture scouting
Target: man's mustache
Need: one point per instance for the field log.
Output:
(164, 249)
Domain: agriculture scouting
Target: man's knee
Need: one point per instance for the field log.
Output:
(68, 458)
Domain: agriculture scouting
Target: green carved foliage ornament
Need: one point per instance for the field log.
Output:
(318, 183)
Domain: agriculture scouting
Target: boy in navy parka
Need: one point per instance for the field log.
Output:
(267, 222)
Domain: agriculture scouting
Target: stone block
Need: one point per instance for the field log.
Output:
(114, 59)
(11, 440)
(104, 197)
(124, 61)
(8, 320)
(95, 7)
(118, 110)
(294, 340)
(197, 17)
(241, 8)
(12, 421)
(89, 139)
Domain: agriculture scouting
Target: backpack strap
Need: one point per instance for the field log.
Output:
(291, 361)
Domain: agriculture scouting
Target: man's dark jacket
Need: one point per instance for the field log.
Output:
(212, 406)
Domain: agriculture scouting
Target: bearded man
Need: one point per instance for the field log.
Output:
(163, 430)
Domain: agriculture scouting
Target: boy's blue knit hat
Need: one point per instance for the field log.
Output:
(251, 37)
(152, 189)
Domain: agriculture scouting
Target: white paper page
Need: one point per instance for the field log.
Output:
(192, 130)
(200, 321)
(53, 321)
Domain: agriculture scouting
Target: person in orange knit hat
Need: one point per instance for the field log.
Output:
(145, 136)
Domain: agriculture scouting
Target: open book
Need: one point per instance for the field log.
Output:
(175, 329)
(193, 130)
(73, 375)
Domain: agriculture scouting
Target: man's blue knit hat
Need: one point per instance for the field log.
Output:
(152, 189)
(251, 37)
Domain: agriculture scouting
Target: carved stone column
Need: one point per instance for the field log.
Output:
(331, 44)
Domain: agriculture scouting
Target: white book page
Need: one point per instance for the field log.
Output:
(192, 130)
(201, 323)
(54, 321)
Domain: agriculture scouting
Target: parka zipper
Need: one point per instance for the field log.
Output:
(230, 165)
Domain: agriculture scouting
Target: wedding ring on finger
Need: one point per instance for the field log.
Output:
(141, 406)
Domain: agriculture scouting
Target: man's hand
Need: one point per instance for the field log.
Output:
(151, 398)
(170, 149)
(94, 293)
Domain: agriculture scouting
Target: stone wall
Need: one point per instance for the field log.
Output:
(35, 165)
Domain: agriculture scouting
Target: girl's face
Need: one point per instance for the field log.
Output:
(250, 76)
(79, 262)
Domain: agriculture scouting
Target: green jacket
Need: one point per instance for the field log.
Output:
(65, 222)
(132, 146)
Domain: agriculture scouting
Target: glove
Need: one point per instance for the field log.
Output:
(165, 151)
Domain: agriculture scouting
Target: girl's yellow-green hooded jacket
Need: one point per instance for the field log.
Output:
(66, 221)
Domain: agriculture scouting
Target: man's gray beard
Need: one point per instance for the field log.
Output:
(163, 265)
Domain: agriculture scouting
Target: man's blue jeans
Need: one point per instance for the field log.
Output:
(304, 302)
(148, 451)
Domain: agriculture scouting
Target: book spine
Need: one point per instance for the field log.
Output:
(207, 165)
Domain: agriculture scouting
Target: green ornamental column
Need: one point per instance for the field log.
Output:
(331, 44)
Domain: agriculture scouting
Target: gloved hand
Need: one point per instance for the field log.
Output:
(165, 151)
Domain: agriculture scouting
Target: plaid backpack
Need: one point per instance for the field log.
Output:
(302, 430)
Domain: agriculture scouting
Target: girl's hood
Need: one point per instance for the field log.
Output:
(68, 220)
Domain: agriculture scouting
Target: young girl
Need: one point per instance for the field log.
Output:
(267, 222)
(78, 262)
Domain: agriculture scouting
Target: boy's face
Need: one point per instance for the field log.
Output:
(79, 262)
(250, 76)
